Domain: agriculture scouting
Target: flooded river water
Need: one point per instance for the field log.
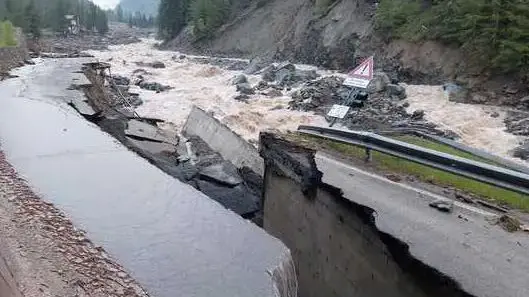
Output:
(210, 88)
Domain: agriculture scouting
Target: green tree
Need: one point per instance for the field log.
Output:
(172, 17)
(57, 16)
(207, 16)
(32, 20)
(101, 23)
(119, 14)
(494, 33)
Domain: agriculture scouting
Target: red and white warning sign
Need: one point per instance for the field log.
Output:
(361, 75)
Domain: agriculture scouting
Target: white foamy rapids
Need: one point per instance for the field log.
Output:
(206, 86)
(472, 122)
(209, 88)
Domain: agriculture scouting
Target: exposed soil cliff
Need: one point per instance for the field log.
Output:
(337, 34)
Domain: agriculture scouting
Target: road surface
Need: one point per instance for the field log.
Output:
(173, 239)
(486, 260)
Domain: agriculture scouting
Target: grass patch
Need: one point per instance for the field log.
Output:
(443, 148)
(424, 173)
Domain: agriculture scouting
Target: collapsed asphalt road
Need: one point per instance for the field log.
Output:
(169, 236)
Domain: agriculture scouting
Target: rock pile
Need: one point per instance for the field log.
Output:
(522, 151)
(139, 79)
(318, 95)
(224, 63)
(74, 54)
(517, 123)
(207, 171)
(154, 64)
(287, 75)
(383, 109)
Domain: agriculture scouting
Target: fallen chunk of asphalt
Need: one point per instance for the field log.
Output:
(152, 146)
(224, 173)
(442, 205)
(237, 199)
(146, 131)
(83, 108)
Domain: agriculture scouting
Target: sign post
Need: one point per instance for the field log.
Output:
(357, 79)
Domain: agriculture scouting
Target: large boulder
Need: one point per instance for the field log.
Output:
(256, 64)
(239, 79)
(153, 86)
(397, 91)
(269, 73)
(157, 64)
(285, 74)
(245, 88)
(379, 83)
(522, 151)
(455, 93)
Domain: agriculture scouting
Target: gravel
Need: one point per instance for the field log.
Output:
(47, 254)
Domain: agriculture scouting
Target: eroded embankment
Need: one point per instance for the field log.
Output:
(337, 246)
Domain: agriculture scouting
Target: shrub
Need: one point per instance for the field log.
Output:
(7, 34)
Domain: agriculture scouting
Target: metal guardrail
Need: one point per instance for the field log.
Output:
(493, 175)
(459, 146)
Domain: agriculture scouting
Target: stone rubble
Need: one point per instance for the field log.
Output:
(383, 109)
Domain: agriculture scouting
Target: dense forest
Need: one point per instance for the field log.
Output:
(34, 15)
(492, 33)
(204, 15)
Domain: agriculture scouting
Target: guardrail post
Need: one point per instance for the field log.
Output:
(369, 157)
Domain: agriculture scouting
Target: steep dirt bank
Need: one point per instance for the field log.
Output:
(338, 35)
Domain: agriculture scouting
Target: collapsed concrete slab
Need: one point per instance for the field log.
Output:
(231, 146)
(146, 131)
(355, 234)
(224, 173)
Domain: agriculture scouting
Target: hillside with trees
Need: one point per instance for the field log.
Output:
(34, 15)
(494, 35)
(492, 32)
(205, 16)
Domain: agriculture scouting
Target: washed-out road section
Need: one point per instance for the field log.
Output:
(464, 245)
(173, 239)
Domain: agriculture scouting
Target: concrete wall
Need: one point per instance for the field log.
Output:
(11, 57)
(231, 146)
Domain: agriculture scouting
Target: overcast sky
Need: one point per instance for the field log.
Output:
(106, 3)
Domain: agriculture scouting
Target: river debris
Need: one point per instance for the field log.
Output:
(442, 205)
(75, 54)
(509, 223)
